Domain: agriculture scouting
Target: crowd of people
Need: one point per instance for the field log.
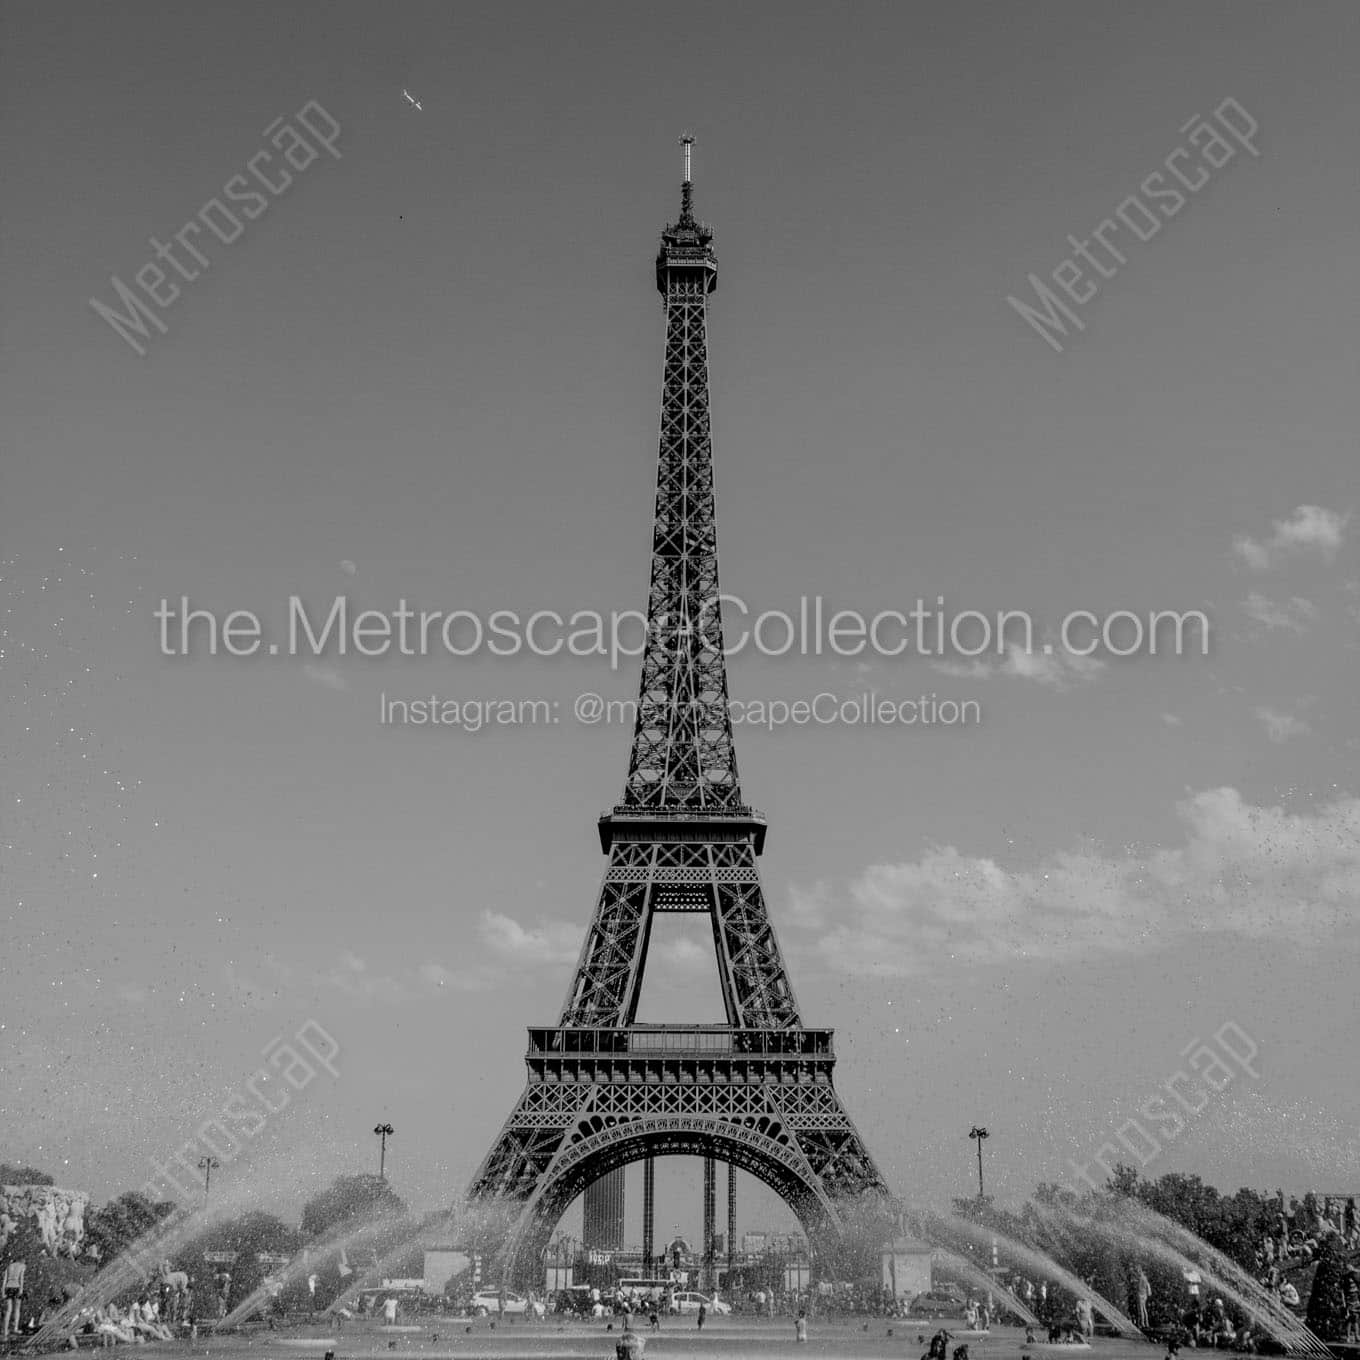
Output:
(139, 1321)
(1301, 1229)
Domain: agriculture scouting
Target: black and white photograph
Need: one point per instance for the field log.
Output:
(679, 679)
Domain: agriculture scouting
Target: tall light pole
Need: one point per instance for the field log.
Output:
(207, 1165)
(382, 1130)
(979, 1134)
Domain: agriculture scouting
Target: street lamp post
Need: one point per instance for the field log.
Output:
(978, 1133)
(207, 1165)
(382, 1130)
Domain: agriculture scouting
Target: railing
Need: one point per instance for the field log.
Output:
(669, 1040)
(665, 812)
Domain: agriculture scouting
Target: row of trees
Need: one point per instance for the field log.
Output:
(1236, 1225)
(113, 1227)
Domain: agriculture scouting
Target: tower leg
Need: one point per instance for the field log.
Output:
(648, 1213)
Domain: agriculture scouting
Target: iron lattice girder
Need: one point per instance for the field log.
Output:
(719, 878)
(761, 1098)
(682, 754)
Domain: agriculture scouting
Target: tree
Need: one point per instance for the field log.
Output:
(348, 1204)
(1055, 1196)
(248, 1235)
(350, 1201)
(23, 1175)
(115, 1226)
(1124, 1182)
(1327, 1299)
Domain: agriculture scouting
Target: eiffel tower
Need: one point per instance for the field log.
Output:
(603, 1090)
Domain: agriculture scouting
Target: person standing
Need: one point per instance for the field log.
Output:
(1085, 1317)
(389, 1312)
(1144, 1294)
(703, 1313)
(800, 1327)
(13, 1287)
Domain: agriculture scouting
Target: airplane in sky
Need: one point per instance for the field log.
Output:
(410, 100)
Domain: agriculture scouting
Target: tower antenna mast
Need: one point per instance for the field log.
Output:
(687, 185)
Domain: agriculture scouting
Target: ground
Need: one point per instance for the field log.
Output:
(459, 1339)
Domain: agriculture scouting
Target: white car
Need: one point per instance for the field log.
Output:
(688, 1301)
(488, 1301)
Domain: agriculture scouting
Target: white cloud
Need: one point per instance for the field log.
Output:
(1311, 528)
(963, 670)
(1280, 726)
(1295, 614)
(325, 675)
(1257, 872)
(1051, 666)
(351, 976)
(1171, 720)
(348, 567)
(549, 942)
(1254, 554)
(684, 955)
(1056, 669)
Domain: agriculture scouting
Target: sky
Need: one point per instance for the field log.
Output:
(430, 371)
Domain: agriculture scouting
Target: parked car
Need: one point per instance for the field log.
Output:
(935, 1303)
(688, 1301)
(487, 1301)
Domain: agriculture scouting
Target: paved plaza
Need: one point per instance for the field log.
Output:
(568, 1340)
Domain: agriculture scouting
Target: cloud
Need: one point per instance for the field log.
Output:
(1171, 720)
(549, 942)
(325, 675)
(1311, 528)
(1055, 669)
(684, 955)
(1296, 614)
(963, 670)
(348, 567)
(1051, 666)
(1281, 726)
(1254, 872)
(351, 976)
(508, 949)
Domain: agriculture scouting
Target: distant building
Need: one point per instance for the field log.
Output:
(603, 1228)
(907, 1268)
(441, 1265)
